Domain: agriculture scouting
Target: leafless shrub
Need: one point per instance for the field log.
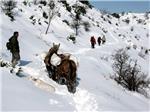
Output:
(128, 73)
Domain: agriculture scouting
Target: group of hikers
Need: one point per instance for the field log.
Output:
(100, 40)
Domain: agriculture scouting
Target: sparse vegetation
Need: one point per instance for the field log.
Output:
(43, 2)
(72, 38)
(25, 2)
(86, 2)
(31, 17)
(109, 22)
(140, 21)
(45, 15)
(68, 8)
(116, 15)
(65, 21)
(127, 20)
(8, 6)
(128, 73)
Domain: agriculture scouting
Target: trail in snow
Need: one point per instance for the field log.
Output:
(85, 101)
(84, 50)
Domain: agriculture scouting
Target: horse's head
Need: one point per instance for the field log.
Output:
(71, 87)
(55, 47)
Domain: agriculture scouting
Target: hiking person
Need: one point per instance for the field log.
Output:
(103, 39)
(93, 42)
(99, 41)
(13, 46)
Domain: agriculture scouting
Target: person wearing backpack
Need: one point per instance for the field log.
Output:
(13, 46)
(99, 41)
(93, 42)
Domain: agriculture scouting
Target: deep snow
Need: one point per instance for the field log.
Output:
(96, 91)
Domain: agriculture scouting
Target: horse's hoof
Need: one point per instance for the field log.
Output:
(72, 91)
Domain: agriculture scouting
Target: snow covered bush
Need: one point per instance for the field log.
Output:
(25, 2)
(127, 20)
(72, 38)
(43, 2)
(68, 8)
(45, 15)
(128, 73)
(81, 10)
(33, 20)
(65, 21)
(109, 22)
(116, 15)
(86, 2)
(140, 21)
(8, 6)
(35, 2)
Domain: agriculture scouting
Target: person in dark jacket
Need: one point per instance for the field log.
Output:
(14, 49)
(93, 42)
(99, 41)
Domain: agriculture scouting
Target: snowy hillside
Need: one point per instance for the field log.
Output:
(96, 91)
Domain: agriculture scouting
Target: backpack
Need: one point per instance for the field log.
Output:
(93, 40)
(8, 45)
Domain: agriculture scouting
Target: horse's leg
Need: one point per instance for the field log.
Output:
(73, 76)
(71, 81)
(49, 70)
(54, 72)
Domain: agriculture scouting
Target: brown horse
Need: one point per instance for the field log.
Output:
(65, 72)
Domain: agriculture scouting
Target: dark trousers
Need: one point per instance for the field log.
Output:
(92, 45)
(99, 43)
(15, 58)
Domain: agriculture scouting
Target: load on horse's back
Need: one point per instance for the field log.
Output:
(61, 68)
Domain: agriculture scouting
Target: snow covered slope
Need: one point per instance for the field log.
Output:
(96, 90)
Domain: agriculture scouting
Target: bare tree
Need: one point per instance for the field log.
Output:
(120, 64)
(128, 72)
(8, 6)
(52, 12)
(78, 10)
(77, 18)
